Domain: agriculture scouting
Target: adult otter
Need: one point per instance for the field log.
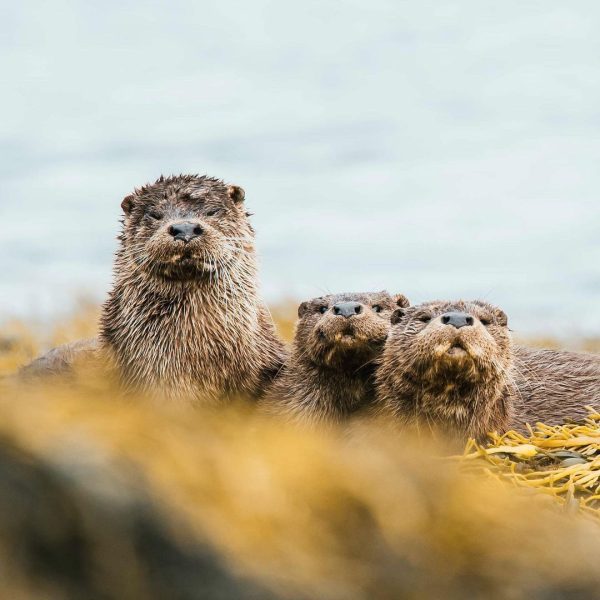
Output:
(452, 367)
(329, 375)
(184, 317)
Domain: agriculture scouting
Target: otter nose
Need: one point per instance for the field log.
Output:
(347, 309)
(185, 231)
(457, 319)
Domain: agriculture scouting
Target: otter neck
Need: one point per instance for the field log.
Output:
(459, 406)
(183, 338)
(337, 392)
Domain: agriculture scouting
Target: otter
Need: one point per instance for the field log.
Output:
(445, 367)
(329, 375)
(184, 317)
(451, 367)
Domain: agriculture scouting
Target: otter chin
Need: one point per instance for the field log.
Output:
(445, 368)
(348, 337)
(347, 340)
(329, 376)
(457, 351)
(452, 349)
(184, 268)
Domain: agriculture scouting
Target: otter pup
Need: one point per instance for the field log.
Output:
(184, 317)
(329, 375)
(452, 367)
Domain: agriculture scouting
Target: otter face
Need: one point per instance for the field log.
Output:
(443, 341)
(344, 330)
(186, 227)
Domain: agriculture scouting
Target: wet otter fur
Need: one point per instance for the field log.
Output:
(184, 318)
(329, 376)
(437, 378)
(554, 386)
(471, 380)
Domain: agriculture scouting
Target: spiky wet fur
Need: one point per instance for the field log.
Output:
(185, 321)
(465, 394)
(554, 386)
(329, 376)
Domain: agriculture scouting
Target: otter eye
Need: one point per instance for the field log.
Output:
(323, 310)
(485, 322)
(424, 318)
(213, 212)
(377, 308)
(153, 214)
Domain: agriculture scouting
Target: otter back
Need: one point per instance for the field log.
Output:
(554, 386)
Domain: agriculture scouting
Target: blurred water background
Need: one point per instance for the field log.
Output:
(441, 149)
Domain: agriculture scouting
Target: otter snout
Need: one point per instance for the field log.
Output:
(347, 309)
(185, 231)
(457, 319)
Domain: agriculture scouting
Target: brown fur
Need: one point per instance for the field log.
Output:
(185, 320)
(435, 377)
(491, 386)
(554, 386)
(329, 376)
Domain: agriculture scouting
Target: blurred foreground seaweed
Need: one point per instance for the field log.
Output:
(103, 497)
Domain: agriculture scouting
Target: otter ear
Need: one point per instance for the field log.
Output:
(397, 315)
(401, 300)
(236, 193)
(303, 309)
(127, 204)
(502, 317)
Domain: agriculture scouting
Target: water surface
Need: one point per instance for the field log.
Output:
(438, 149)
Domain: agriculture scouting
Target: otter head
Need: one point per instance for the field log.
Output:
(442, 343)
(185, 227)
(345, 330)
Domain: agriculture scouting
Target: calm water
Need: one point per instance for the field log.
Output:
(439, 151)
